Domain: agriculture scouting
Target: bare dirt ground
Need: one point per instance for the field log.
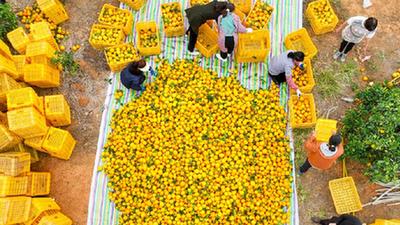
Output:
(71, 179)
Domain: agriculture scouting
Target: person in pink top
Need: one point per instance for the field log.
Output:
(280, 68)
(229, 26)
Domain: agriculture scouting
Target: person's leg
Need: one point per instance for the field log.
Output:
(348, 47)
(230, 44)
(192, 39)
(273, 78)
(306, 165)
(281, 78)
(328, 221)
(223, 55)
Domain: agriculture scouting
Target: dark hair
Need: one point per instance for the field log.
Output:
(298, 56)
(133, 67)
(220, 7)
(230, 7)
(371, 23)
(334, 141)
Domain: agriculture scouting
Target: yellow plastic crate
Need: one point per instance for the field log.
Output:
(99, 31)
(14, 210)
(42, 207)
(40, 75)
(3, 119)
(20, 61)
(345, 196)
(27, 122)
(309, 78)
(207, 41)
(38, 183)
(41, 32)
(12, 186)
(57, 110)
(18, 39)
(7, 138)
(53, 9)
(107, 17)
(23, 84)
(253, 47)
(40, 48)
(134, 4)
(319, 25)
(239, 13)
(324, 129)
(242, 5)
(313, 117)
(59, 143)
(14, 163)
(199, 2)
(8, 66)
(300, 41)
(175, 10)
(5, 50)
(114, 59)
(20, 147)
(36, 143)
(55, 219)
(148, 30)
(22, 97)
(6, 84)
(257, 22)
(387, 222)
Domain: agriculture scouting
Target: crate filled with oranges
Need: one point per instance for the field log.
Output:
(321, 16)
(120, 55)
(303, 77)
(259, 15)
(172, 19)
(199, 2)
(102, 36)
(148, 38)
(116, 17)
(302, 111)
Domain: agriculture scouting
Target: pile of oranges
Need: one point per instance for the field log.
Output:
(33, 14)
(302, 110)
(323, 12)
(107, 35)
(114, 16)
(300, 76)
(172, 15)
(121, 54)
(148, 37)
(198, 149)
(259, 16)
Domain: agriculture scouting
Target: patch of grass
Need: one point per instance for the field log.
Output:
(302, 193)
(372, 66)
(299, 137)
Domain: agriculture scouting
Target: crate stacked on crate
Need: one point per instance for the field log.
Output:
(4, 50)
(259, 15)
(253, 47)
(173, 19)
(148, 38)
(14, 210)
(321, 16)
(54, 10)
(18, 39)
(207, 41)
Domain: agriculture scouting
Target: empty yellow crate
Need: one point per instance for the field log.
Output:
(42, 207)
(300, 41)
(40, 48)
(107, 17)
(36, 143)
(53, 9)
(253, 47)
(58, 218)
(324, 129)
(242, 5)
(99, 31)
(5, 50)
(14, 163)
(20, 61)
(345, 196)
(14, 210)
(12, 186)
(318, 26)
(59, 143)
(174, 9)
(310, 98)
(57, 110)
(134, 4)
(18, 39)
(20, 147)
(123, 62)
(8, 66)
(207, 41)
(6, 84)
(22, 97)
(41, 31)
(309, 76)
(40, 75)
(38, 183)
(7, 138)
(27, 122)
(149, 31)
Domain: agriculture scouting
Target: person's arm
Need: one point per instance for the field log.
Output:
(341, 27)
(368, 37)
(240, 27)
(142, 79)
(289, 79)
(310, 143)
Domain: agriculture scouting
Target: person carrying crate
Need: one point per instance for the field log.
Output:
(344, 219)
(229, 26)
(322, 155)
(281, 66)
(198, 15)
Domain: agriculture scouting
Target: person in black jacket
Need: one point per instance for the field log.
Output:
(344, 219)
(198, 15)
(133, 75)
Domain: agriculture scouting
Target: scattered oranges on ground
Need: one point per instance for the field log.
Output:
(259, 16)
(198, 149)
(148, 37)
(301, 110)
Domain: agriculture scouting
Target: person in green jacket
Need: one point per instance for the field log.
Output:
(198, 15)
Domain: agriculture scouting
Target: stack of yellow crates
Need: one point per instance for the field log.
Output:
(53, 9)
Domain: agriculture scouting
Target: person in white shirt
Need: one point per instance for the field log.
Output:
(357, 28)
